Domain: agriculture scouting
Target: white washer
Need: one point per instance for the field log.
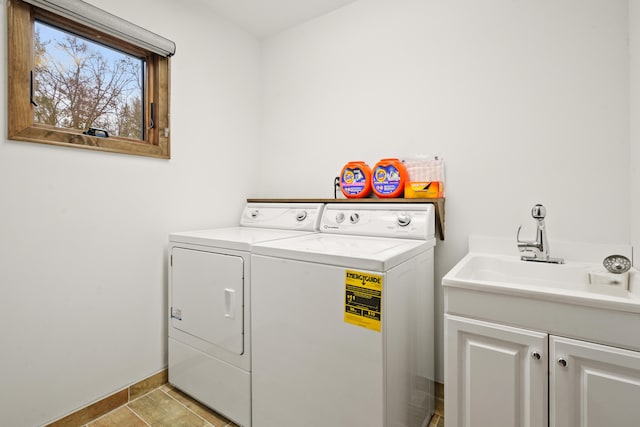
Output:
(330, 348)
(210, 303)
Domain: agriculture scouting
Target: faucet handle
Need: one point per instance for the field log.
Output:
(538, 211)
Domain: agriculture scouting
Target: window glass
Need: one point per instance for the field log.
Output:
(80, 84)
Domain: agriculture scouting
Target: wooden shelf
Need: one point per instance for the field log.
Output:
(438, 203)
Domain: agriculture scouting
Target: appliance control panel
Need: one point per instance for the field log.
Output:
(410, 221)
(283, 216)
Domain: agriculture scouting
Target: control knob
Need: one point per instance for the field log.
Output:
(404, 219)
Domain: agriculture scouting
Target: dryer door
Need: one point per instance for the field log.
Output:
(207, 291)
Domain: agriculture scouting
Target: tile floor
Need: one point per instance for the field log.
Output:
(438, 417)
(162, 407)
(166, 406)
(437, 421)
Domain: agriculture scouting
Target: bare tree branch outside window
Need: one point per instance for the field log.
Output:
(80, 84)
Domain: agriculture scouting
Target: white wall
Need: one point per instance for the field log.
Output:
(83, 234)
(634, 27)
(527, 102)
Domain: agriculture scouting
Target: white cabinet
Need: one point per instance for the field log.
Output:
(593, 385)
(496, 376)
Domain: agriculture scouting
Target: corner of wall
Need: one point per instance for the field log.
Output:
(634, 123)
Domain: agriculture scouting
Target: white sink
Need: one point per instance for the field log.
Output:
(491, 283)
(568, 283)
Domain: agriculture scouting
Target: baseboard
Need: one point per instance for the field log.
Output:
(103, 406)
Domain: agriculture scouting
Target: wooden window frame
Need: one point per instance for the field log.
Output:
(22, 127)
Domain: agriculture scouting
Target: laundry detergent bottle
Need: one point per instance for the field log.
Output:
(389, 177)
(355, 180)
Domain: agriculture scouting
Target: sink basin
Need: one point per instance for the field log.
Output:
(570, 282)
(491, 283)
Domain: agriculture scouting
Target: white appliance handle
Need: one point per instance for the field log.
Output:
(229, 303)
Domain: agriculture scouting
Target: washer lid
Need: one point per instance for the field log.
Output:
(236, 238)
(361, 252)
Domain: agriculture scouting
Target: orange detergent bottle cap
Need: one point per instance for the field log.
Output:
(389, 177)
(355, 180)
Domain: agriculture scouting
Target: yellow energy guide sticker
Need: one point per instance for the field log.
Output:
(363, 299)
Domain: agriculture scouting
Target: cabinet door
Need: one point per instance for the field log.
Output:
(593, 385)
(495, 375)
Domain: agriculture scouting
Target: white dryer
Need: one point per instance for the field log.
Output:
(210, 304)
(343, 321)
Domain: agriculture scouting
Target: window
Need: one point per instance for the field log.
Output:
(74, 85)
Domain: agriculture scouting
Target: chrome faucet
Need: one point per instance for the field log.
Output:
(537, 250)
